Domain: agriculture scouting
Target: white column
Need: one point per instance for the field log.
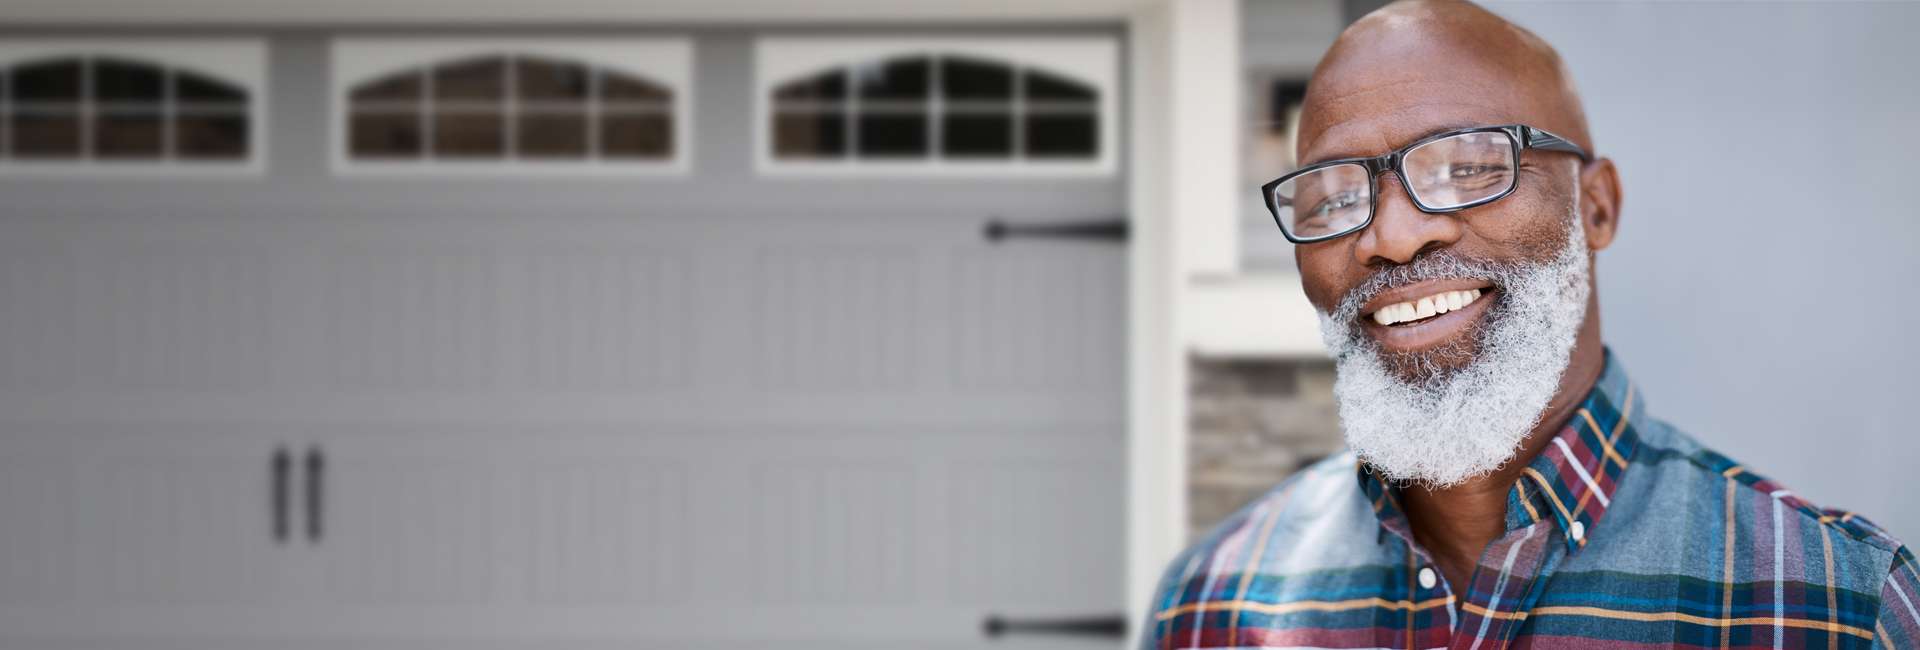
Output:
(1185, 70)
(1156, 449)
(1207, 121)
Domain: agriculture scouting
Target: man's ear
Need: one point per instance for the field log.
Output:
(1599, 202)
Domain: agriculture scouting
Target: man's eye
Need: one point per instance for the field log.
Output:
(1470, 171)
(1336, 202)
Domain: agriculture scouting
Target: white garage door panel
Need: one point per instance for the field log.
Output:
(642, 534)
(36, 557)
(614, 320)
(918, 434)
(115, 532)
(406, 529)
(543, 535)
(170, 520)
(132, 316)
(471, 520)
(725, 410)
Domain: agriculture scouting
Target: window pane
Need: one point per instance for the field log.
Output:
(963, 79)
(552, 135)
(404, 87)
(469, 135)
(127, 135)
(551, 81)
(46, 135)
(49, 81)
(1051, 88)
(386, 135)
(116, 80)
(893, 135)
(618, 87)
(636, 136)
(210, 136)
(810, 135)
(895, 80)
(1062, 135)
(828, 87)
(977, 136)
(471, 80)
(195, 89)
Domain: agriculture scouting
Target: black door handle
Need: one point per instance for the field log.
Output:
(1102, 627)
(316, 489)
(1113, 229)
(281, 466)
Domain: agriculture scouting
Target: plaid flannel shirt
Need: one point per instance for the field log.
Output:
(1623, 532)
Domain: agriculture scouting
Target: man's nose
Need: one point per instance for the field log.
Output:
(1400, 231)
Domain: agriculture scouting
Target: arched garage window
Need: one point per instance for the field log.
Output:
(952, 106)
(129, 105)
(511, 105)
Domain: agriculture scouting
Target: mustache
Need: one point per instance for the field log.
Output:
(1441, 264)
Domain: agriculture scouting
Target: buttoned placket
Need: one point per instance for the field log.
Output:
(1551, 508)
(1511, 574)
(1509, 577)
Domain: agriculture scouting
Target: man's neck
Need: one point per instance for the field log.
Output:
(1456, 523)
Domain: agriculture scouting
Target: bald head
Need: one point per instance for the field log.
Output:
(1419, 382)
(1420, 66)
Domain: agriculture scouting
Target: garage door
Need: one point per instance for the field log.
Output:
(738, 338)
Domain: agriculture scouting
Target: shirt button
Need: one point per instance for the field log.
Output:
(1579, 531)
(1427, 578)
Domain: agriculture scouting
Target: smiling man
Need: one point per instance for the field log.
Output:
(1505, 485)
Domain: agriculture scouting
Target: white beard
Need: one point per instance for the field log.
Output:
(1458, 425)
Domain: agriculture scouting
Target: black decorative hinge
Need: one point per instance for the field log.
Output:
(1102, 230)
(1103, 627)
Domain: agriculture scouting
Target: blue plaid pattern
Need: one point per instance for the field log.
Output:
(1624, 532)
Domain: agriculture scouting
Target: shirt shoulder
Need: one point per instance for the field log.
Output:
(1316, 520)
(1320, 500)
(1677, 456)
(1683, 486)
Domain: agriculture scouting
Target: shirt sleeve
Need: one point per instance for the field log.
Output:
(1174, 584)
(1150, 631)
(1899, 622)
(1165, 595)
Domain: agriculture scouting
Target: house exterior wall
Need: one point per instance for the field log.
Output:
(1764, 152)
(1253, 423)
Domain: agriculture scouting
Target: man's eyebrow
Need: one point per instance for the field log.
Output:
(1343, 155)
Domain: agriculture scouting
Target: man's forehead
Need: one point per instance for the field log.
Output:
(1417, 68)
(1373, 121)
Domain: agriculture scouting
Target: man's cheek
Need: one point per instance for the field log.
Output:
(1533, 233)
(1324, 297)
(1321, 282)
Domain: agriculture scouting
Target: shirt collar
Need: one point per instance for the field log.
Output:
(1572, 480)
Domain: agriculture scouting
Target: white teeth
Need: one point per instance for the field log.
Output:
(1426, 307)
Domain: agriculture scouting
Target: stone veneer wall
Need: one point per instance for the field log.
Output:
(1252, 423)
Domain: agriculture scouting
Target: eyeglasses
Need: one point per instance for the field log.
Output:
(1444, 172)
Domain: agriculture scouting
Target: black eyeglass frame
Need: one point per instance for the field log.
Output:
(1520, 136)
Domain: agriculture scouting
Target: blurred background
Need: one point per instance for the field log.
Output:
(850, 323)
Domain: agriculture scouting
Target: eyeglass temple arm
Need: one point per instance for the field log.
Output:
(1540, 139)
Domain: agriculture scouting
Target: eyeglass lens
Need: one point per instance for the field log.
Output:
(1447, 173)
